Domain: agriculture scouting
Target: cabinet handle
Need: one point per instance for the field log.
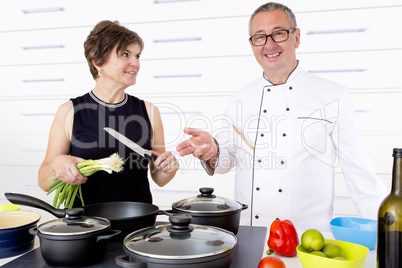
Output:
(177, 76)
(339, 70)
(184, 39)
(42, 10)
(337, 31)
(43, 80)
(42, 47)
(172, 1)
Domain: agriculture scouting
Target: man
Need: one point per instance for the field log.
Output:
(285, 132)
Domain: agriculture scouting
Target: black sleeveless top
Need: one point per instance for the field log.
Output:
(90, 141)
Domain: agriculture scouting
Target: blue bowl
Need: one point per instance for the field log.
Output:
(355, 230)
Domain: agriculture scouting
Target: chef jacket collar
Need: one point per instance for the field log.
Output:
(290, 78)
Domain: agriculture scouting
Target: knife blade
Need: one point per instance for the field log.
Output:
(130, 144)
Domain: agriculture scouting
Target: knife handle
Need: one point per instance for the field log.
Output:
(152, 156)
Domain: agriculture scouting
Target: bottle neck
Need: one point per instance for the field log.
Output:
(397, 176)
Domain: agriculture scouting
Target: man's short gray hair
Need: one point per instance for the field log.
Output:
(274, 6)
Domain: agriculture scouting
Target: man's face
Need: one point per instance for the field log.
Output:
(277, 59)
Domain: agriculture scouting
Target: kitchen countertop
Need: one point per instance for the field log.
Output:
(248, 253)
(258, 236)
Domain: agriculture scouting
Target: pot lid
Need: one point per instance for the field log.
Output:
(206, 202)
(74, 224)
(180, 240)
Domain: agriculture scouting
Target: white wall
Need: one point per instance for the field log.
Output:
(196, 56)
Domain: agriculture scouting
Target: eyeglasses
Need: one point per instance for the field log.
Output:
(277, 36)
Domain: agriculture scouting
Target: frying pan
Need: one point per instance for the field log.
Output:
(124, 216)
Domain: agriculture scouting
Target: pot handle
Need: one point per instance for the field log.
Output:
(167, 212)
(244, 206)
(33, 231)
(124, 262)
(112, 233)
(26, 200)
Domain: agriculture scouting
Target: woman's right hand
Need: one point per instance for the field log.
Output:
(65, 169)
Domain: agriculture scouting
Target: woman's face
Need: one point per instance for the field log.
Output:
(121, 68)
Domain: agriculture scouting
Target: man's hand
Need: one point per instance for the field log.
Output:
(201, 145)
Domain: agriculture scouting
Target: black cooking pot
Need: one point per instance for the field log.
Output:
(178, 244)
(209, 209)
(124, 216)
(75, 240)
(14, 232)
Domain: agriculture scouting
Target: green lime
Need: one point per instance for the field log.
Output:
(312, 239)
(318, 253)
(339, 258)
(332, 250)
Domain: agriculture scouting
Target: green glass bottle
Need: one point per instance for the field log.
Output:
(389, 237)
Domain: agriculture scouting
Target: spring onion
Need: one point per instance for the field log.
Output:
(66, 193)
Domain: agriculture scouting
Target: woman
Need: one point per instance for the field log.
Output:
(113, 53)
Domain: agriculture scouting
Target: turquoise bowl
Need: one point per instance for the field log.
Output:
(355, 230)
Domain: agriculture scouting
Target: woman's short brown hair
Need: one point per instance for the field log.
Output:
(103, 38)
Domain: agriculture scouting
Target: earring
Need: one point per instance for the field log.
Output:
(99, 73)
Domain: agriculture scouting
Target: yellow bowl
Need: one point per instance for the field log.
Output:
(4, 207)
(355, 256)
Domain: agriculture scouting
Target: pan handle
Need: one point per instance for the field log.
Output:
(33, 231)
(124, 262)
(244, 206)
(166, 212)
(26, 200)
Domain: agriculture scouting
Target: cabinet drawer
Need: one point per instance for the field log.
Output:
(26, 14)
(27, 117)
(373, 111)
(363, 69)
(43, 46)
(35, 81)
(23, 149)
(194, 38)
(342, 31)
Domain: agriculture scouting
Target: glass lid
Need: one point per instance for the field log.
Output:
(206, 202)
(74, 224)
(180, 240)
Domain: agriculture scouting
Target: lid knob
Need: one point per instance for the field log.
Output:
(180, 223)
(74, 215)
(206, 192)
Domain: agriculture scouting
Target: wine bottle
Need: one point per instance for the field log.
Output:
(389, 236)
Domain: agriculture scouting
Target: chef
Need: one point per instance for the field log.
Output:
(285, 133)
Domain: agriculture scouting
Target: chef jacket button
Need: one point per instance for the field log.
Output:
(284, 134)
(256, 216)
(258, 188)
(259, 160)
(282, 162)
(265, 111)
(268, 89)
(262, 134)
(287, 109)
(290, 88)
(280, 190)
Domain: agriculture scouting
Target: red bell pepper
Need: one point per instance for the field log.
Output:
(283, 238)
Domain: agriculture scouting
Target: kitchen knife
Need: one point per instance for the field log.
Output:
(130, 144)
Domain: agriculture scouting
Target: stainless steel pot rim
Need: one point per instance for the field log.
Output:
(192, 257)
(203, 234)
(90, 226)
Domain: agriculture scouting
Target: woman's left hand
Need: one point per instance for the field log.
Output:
(166, 162)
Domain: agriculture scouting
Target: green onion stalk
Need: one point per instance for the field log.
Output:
(66, 193)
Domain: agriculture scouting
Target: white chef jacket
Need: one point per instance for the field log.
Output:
(301, 130)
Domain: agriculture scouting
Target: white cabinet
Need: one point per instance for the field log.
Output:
(196, 56)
